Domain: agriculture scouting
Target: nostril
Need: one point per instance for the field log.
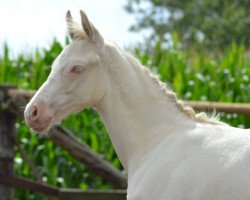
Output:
(33, 113)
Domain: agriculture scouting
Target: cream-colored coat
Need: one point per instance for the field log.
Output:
(168, 152)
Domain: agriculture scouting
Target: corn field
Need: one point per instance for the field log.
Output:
(221, 76)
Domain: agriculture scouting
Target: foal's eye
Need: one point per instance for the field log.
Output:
(77, 69)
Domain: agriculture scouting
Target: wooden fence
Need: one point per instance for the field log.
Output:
(13, 99)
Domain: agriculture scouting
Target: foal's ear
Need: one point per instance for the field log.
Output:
(91, 32)
(87, 26)
(87, 30)
(74, 29)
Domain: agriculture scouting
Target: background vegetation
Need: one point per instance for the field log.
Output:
(195, 75)
(211, 24)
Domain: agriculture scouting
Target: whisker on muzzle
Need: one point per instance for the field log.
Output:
(40, 135)
(21, 109)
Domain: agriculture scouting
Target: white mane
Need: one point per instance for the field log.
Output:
(200, 117)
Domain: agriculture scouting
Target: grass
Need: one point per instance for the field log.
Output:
(193, 75)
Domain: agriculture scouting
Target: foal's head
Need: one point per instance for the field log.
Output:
(76, 81)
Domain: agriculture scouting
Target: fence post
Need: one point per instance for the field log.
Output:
(7, 131)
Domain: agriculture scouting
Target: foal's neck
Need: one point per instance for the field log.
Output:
(136, 111)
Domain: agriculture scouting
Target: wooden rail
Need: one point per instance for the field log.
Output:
(239, 108)
(62, 194)
(81, 151)
(11, 107)
(7, 153)
(76, 194)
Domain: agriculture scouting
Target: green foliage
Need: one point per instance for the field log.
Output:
(194, 76)
(210, 23)
(221, 77)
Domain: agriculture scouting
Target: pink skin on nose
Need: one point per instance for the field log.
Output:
(39, 116)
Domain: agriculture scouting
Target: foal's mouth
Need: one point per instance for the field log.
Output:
(42, 127)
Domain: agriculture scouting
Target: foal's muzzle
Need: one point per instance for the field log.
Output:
(38, 116)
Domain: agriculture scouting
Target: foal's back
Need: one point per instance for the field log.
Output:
(208, 162)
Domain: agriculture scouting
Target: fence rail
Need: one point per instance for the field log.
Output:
(14, 99)
(65, 139)
(62, 194)
(239, 108)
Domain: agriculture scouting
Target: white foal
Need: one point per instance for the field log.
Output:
(168, 152)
